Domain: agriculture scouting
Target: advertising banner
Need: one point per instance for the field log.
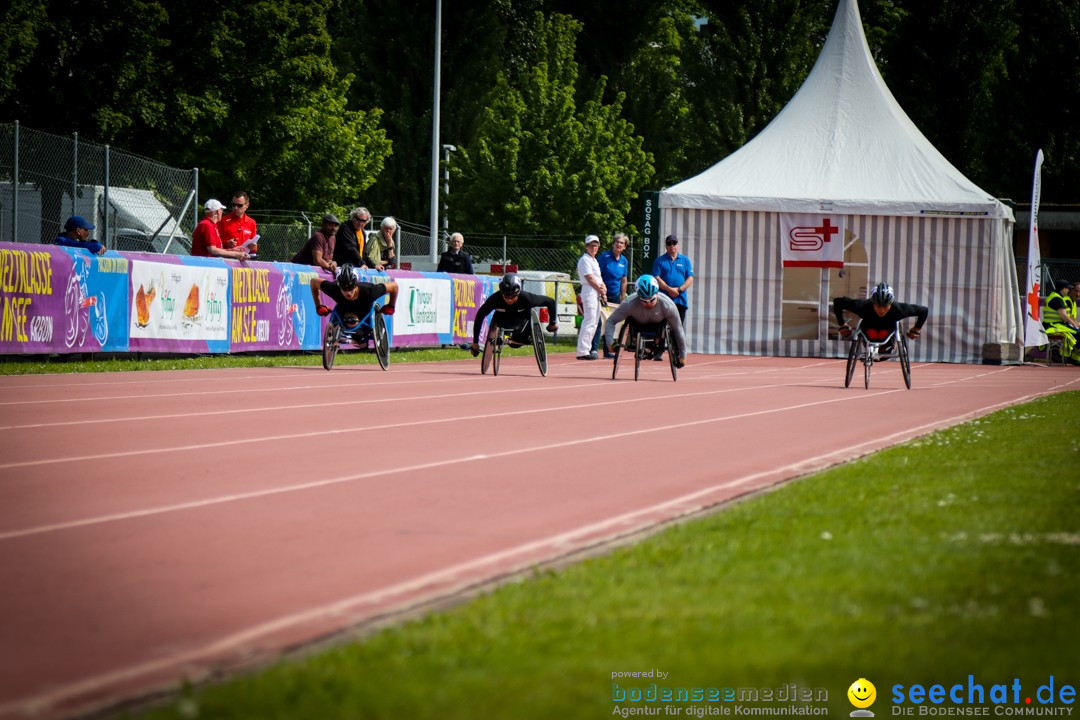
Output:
(808, 240)
(56, 299)
(271, 308)
(179, 307)
(425, 309)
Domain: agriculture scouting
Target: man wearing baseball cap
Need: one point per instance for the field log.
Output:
(206, 240)
(592, 291)
(77, 235)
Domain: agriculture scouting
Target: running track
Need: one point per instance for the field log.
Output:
(155, 526)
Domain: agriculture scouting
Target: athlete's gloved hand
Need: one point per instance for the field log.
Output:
(322, 310)
(552, 327)
(913, 333)
(474, 349)
(388, 310)
(680, 363)
(845, 331)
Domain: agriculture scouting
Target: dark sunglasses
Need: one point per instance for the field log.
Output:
(238, 205)
(669, 243)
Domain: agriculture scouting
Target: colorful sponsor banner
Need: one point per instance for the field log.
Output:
(271, 308)
(425, 309)
(808, 240)
(55, 299)
(179, 307)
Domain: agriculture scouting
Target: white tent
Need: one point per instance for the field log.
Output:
(843, 148)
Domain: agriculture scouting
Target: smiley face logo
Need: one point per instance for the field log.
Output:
(862, 693)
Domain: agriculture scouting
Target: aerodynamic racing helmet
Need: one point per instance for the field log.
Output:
(510, 285)
(883, 295)
(346, 277)
(647, 288)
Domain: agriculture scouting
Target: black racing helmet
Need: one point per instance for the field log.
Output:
(883, 295)
(510, 285)
(346, 277)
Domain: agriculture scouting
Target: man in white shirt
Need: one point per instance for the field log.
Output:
(592, 294)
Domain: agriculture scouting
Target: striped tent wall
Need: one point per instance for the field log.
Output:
(961, 268)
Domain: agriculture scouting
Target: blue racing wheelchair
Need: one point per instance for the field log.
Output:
(369, 332)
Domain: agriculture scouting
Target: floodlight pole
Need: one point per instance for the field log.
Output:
(447, 149)
(434, 240)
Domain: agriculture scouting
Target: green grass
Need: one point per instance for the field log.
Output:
(955, 554)
(36, 365)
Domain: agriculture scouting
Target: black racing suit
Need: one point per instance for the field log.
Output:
(874, 327)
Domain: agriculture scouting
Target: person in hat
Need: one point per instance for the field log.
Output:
(319, 249)
(592, 296)
(237, 227)
(77, 235)
(206, 240)
(675, 274)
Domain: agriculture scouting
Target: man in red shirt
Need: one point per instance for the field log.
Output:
(206, 240)
(237, 227)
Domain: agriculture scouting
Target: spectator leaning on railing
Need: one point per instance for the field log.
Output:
(455, 260)
(319, 249)
(77, 235)
(350, 240)
(206, 240)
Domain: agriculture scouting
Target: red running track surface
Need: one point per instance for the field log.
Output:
(156, 526)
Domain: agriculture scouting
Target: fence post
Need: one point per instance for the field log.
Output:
(504, 252)
(105, 213)
(74, 171)
(15, 191)
(195, 192)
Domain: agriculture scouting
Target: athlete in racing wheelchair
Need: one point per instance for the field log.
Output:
(646, 313)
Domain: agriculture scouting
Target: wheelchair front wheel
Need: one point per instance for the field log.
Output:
(489, 351)
(382, 341)
(868, 363)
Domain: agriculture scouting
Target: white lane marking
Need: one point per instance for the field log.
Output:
(397, 470)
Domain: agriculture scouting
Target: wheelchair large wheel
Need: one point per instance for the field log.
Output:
(672, 352)
(852, 360)
(905, 361)
(867, 364)
(382, 341)
(496, 358)
(489, 351)
(539, 345)
(639, 348)
(330, 345)
(620, 345)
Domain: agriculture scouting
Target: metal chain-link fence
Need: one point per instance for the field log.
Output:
(136, 203)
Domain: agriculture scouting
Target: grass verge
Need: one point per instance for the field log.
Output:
(956, 554)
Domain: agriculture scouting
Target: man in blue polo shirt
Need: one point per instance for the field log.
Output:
(77, 235)
(614, 267)
(675, 275)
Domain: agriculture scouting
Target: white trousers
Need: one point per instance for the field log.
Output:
(590, 306)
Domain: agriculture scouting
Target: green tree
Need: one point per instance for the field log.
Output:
(538, 161)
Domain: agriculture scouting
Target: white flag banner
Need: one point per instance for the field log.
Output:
(808, 240)
(1033, 329)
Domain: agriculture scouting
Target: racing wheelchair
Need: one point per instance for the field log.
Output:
(868, 351)
(371, 330)
(646, 343)
(500, 337)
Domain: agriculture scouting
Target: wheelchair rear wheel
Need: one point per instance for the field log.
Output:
(620, 345)
(382, 341)
(672, 353)
(330, 345)
(868, 363)
(852, 359)
(905, 361)
(489, 351)
(539, 345)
